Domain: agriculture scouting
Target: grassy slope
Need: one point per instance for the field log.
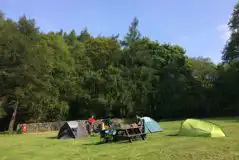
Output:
(157, 146)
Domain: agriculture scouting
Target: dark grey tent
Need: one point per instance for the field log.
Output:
(72, 129)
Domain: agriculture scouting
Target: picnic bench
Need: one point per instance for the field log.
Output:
(123, 132)
(130, 134)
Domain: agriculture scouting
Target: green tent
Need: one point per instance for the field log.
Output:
(195, 127)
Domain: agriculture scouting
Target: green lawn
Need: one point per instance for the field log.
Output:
(157, 146)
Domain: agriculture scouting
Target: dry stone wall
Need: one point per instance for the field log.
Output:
(55, 126)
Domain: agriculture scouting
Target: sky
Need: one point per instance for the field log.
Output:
(199, 26)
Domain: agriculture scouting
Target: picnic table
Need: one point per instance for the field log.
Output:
(130, 134)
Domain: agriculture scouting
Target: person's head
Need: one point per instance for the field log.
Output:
(92, 116)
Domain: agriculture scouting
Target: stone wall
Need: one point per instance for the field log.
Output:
(55, 126)
(45, 127)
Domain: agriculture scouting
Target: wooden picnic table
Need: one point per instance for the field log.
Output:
(129, 134)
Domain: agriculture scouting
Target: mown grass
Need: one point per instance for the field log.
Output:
(159, 146)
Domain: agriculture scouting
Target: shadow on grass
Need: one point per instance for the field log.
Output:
(173, 134)
(93, 144)
(53, 137)
(185, 136)
(94, 135)
(102, 143)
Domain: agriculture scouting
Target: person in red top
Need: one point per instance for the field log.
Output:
(91, 121)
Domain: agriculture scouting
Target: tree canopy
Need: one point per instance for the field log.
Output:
(64, 76)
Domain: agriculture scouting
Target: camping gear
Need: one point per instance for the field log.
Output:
(108, 129)
(195, 127)
(72, 129)
(150, 125)
(107, 134)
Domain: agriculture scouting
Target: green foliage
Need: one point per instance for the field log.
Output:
(59, 75)
(231, 51)
(5, 133)
(133, 33)
(228, 74)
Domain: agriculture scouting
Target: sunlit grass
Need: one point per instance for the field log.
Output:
(158, 146)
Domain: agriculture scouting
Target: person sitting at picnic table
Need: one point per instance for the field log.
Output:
(107, 121)
(106, 130)
(140, 123)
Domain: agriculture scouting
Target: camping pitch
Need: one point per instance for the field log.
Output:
(72, 129)
(150, 125)
(195, 127)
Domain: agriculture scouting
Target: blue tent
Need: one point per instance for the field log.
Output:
(150, 125)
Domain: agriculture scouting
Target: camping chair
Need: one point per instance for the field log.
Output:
(104, 136)
(106, 132)
(107, 135)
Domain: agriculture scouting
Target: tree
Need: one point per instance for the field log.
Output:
(204, 70)
(228, 73)
(58, 75)
(231, 50)
(84, 35)
(133, 33)
(20, 63)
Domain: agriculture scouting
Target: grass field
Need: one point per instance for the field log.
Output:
(158, 146)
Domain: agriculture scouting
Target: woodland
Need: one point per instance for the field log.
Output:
(62, 75)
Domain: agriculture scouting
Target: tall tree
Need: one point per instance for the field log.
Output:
(231, 50)
(21, 65)
(133, 33)
(58, 75)
(84, 35)
(229, 73)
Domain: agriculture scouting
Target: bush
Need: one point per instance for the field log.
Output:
(5, 133)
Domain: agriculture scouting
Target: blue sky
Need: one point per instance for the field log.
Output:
(197, 25)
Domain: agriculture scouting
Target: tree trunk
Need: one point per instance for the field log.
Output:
(3, 100)
(12, 121)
